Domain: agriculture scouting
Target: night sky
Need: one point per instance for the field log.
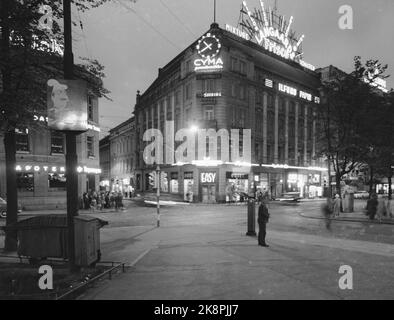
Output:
(133, 43)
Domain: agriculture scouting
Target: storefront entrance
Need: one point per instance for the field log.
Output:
(209, 193)
(208, 187)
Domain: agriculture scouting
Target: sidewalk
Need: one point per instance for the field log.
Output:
(357, 216)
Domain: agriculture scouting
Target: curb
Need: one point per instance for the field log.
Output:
(348, 220)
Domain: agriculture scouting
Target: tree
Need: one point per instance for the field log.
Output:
(345, 115)
(382, 161)
(27, 61)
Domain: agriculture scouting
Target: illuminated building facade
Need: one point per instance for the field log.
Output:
(40, 158)
(121, 145)
(226, 81)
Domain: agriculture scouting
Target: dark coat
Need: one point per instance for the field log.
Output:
(263, 216)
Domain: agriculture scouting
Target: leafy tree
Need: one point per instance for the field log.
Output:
(27, 61)
(349, 117)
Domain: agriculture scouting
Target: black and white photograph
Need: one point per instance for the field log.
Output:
(196, 155)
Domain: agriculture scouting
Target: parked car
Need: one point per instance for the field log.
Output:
(3, 208)
(290, 197)
(361, 195)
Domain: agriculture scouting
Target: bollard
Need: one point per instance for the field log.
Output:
(251, 218)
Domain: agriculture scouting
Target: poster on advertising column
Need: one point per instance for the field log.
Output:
(67, 105)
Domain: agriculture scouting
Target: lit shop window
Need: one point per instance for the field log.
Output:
(25, 182)
(57, 142)
(209, 113)
(174, 186)
(57, 182)
(22, 140)
(90, 146)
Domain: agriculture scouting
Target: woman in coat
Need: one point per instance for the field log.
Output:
(372, 205)
(337, 206)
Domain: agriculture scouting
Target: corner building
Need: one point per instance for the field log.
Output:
(225, 81)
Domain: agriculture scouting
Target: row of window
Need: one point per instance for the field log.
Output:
(56, 182)
(238, 65)
(292, 157)
(124, 166)
(57, 142)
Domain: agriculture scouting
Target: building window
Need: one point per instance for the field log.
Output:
(57, 182)
(242, 67)
(188, 114)
(90, 146)
(57, 142)
(259, 98)
(233, 90)
(209, 85)
(90, 108)
(188, 92)
(25, 182)
(177, 98)
(234, 64)
(242, 92)
(209, 113)
(188, 66)
(22, 140)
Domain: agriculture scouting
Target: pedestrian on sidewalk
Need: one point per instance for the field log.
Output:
(372, 205)
(327, 209)
(389, 209)
(337, 205)
(262, 220)
(381, 208)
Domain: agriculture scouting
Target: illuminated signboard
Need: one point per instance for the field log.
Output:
(208, 47)
(54, 169)
(270, 31)
(305, 95)
(286, 89)
(67, 101)
(208, 177)
(212, 94)
(376, 81)
(90, 125)
(269, 83)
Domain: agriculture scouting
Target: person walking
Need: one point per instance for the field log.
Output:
(327, 209)
(262, 220)
(372, 205)
(389, 209)
(381, 208)
(337, 205)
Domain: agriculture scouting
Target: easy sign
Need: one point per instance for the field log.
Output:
(208, 177)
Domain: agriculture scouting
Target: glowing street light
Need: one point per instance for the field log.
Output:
(194, 128)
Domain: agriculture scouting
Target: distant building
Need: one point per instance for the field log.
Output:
(105, 163)
(117, 154)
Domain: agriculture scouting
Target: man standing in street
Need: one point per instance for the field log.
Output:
(262, 220)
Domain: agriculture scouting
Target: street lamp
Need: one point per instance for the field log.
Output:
(158, 194)
(194, 128)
